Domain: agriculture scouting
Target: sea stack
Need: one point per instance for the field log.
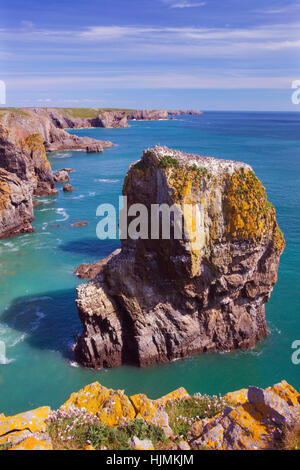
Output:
(161, 299)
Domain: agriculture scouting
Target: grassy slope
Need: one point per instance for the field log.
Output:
(73, 112)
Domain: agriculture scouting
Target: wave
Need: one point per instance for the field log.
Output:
(62, 212)
(74, 364)
(17, 340)
(3, 359)
(61, 155)
(104, 180)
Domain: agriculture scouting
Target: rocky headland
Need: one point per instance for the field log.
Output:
(98, 418)
(25, 137)
(26, 134)
(159, 300)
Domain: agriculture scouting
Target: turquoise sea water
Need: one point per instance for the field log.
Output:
(38, 317)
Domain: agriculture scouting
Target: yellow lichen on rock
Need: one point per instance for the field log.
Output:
(35, 142)
(178, 394)
(286, 392)
(33, 420)
(238, 397)
(32, 443)
(249, 214)
(144, 407)
(110, 406)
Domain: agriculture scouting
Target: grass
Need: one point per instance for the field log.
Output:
(76, 429)
(183, 413)
(5, 446)
(18, 111)
(291, 440)
(168, 161)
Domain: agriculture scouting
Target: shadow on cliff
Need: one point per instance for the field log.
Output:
(91, 247)
(49, 320)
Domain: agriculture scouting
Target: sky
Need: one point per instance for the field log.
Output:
(170, 54)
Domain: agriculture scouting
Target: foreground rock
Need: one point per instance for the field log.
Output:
(16, 209)
(158, 300)
(25, 431)
(250, 419)
(256, 421)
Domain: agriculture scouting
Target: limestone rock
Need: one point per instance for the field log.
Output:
(16, 210)
(95, 148)
(111, 407)
(115, 119)
(89, 271)
(79, 224)
(137, 444)
(183, 445)
(33, 443)
(23, 153)
(68, 188)
(253, 424)
(158, 300)
(148, 115)
(61, 176)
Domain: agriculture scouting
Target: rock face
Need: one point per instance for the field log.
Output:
(158, 300)
(89, 271)
(111, 119)
(148, 115)
(16, 210)
(25, 156)
(47, 123)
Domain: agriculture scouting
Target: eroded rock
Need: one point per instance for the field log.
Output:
(158, 300)
(16, 209)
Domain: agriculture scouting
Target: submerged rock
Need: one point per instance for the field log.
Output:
(79, 224)
(161, 299)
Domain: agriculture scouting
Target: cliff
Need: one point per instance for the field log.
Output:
(25, 156)
(25, 136)
(161, 299)
(98, 418)
(48, 123)
(16, 212)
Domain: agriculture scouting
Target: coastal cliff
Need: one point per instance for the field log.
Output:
(158, 300)
(16, 211)
(98, 418)
(25, 136)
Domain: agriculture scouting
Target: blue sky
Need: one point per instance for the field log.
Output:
(213, 54)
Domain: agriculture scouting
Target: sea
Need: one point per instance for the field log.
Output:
(38, 316)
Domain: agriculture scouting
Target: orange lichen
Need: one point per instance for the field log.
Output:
(249, 214)
(35, 142)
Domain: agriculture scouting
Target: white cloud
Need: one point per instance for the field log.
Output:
(155, 81)
(183, 3)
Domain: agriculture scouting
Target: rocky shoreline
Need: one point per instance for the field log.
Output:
(26, 134)
(98, 418)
